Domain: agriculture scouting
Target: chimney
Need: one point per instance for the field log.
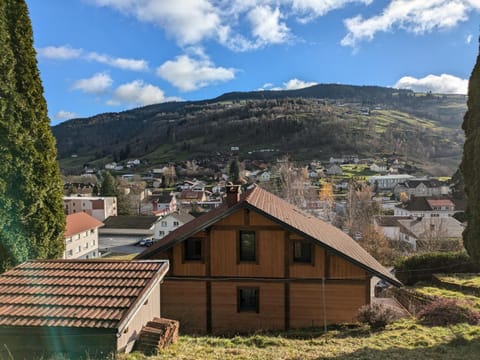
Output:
(233, 194)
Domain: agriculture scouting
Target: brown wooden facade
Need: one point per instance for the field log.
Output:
(284, 291)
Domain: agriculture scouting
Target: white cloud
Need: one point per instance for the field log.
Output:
(266, 25)
(187, 73)
(97, 84)
(294, 84)
(59, 52)
(64, 115)
(443, 84)
(311, 9)
(416, 16)
(188, 21)
(468, 38)
(138, 93)
(121, 63)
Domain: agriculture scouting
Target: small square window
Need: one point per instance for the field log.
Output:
(247, 246)
(163, 224)
(302, 252)
(193, 249)
(176, 223)
(247, 299)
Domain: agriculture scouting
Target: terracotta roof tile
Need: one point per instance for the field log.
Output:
(288, 215)
(75, 293)
(80, 222)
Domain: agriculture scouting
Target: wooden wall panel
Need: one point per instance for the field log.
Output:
(185, 301)
(300, 270)
(341, 269)
(342, 303)
(189, 268)
(237, 218)
(226, 319)
(270, 255)
(260, 220)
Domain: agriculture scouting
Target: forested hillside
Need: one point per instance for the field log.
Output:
(312, 123)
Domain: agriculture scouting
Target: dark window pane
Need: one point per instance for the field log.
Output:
(248, 299)
(302, 252)
(193, 249)
(247, 246)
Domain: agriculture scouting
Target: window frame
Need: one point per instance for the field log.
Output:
(303, 260)
(241, 259)
(184, 250)
(247, 308)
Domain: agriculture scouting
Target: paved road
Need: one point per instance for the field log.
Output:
(120, 244)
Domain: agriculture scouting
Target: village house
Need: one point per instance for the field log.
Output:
(172, 221)
(388, 182)
(77, 308)
(378, 167)
(81, 236)
(258, 262)
(423, 206)
(334, 170)
(100, 207)
(163, 203)
(420, 187)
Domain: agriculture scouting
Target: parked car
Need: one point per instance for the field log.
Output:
(145, 242)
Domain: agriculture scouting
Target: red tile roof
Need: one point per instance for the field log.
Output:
(76, 293)
(286, 214)
(80, 222)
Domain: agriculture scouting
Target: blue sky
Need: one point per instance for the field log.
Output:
(100, 56)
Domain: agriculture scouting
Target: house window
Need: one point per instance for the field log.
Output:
(161, 233)
(69, 239)
(193, 249)
(247, 299)
(302, 252)
(79, 248)
(163, 224)
(69, 253)
(176, 223)
(247, 246)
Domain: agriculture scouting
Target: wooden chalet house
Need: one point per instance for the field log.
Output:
(257, 263)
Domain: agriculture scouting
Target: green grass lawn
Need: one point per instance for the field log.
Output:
(404, 339)
(470, 280)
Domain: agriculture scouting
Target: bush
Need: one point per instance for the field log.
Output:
(447, 312)
(376, 315)
(421, 267)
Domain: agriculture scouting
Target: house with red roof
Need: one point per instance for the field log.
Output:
(257, 262)
(68, 309)
(81, 236)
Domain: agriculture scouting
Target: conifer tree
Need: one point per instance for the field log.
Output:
(470, 165)
(32, 221)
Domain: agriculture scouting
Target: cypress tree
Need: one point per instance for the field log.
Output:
(470, 165)
(32, 221)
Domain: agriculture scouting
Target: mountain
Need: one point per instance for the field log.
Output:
(310, 123)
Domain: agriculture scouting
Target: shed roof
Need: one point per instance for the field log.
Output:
(76, 293)
(289, 216)
(80, 222)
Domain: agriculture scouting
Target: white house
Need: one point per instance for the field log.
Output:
(427, 207)
(388, 182)
(173, 221)
(81, 236)
(379, 168)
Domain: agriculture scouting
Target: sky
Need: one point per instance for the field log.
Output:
(98, 56)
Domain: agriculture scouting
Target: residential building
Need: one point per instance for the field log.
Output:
(420, 187)
(388, 182)
(81, 236)
(334, 170)
(258, 262)
(419, 207)
(100, 207)
(172, 221)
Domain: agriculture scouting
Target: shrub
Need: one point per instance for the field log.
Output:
(421, 267)
(445, 311)
(376, 315)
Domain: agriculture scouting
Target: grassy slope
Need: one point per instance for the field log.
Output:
(402, 340)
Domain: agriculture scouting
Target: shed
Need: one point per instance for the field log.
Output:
(89, 308)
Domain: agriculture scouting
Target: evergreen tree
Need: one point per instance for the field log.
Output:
(108, 186)
(32, 221)
(234, 172)
(470, 165)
